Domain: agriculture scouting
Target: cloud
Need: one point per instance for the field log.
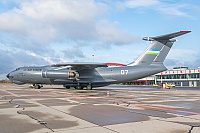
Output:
(32, 32)
(110, 33)
(49, 20)
(140, 3)
(40, 32)
(192, 64)
(72, 53)
(11, 60)
(171, 63)
(24, 43)
(170, 9)
(178, 57)
(173, 9)
(180, 54)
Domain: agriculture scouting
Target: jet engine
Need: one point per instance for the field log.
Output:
(60, 74)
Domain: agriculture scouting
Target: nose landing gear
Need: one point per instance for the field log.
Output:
(37, 86)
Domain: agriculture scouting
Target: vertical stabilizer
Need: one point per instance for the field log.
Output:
(158, 49)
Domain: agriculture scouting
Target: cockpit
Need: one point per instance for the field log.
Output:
(9, 76)
(16, 69)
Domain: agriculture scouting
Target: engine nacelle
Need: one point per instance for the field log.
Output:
(60, 74)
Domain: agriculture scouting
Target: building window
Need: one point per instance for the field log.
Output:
(193, 75)
(158, 76)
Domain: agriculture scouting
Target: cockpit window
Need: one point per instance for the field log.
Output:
(16, 69)
(32, 69)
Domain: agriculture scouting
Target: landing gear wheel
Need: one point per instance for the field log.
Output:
(89, 87)
(67, 87)
(79, 87)
(36, 86)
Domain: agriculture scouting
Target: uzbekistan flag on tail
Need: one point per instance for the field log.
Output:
(153, 52)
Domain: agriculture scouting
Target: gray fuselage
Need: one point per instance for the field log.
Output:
(96, 77)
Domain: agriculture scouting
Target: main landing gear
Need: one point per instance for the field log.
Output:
(89, 87)
(37, 86)
(79, 87)
(67, 87)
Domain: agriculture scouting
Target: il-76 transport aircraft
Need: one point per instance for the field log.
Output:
(89, 75)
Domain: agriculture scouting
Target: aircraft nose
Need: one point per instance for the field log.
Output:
(8, 76)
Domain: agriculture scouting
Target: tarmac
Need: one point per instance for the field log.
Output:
(111, 109)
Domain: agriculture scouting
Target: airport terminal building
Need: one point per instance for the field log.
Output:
(179, 76)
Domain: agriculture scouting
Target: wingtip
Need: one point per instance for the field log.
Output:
(185, 31)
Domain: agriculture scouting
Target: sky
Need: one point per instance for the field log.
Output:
(44, 32)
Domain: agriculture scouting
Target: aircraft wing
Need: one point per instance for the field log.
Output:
(79, 65)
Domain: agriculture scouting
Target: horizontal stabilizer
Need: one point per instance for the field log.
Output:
(167, 36)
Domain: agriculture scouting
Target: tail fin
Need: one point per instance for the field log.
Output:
(158, 49)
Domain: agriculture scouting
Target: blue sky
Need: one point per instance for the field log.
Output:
(42, 32)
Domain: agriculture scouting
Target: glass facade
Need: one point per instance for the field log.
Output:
(186, 77)
(179, 76)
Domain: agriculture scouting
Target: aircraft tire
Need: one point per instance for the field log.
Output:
(37, 86)
(89, 87)
(67, 87)
(79, 87)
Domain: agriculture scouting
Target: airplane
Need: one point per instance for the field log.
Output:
(91, 75)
